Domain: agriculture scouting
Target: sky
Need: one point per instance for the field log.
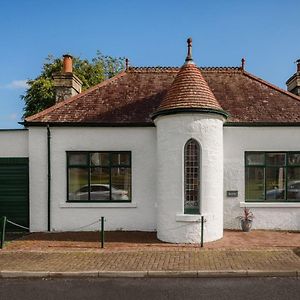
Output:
(149, 33)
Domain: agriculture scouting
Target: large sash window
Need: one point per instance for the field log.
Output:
(272, 176)
(99, 176)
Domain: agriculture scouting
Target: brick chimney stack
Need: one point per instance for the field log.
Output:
(293, 83)
(66, 83)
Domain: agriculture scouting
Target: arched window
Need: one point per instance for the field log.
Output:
(192, 177)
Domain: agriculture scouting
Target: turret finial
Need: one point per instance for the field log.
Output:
(243, 60)
(189, 54)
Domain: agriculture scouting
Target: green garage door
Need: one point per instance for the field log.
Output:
(14, 191)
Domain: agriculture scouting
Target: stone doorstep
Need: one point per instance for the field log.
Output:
(151, 274)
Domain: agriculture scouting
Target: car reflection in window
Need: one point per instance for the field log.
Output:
(99, 192)
(293, 192)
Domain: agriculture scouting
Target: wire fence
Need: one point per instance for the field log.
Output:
(4, 221)
(18, 225)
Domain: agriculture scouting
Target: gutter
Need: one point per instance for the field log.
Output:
(49, 176)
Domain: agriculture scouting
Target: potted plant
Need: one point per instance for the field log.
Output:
(246, 219)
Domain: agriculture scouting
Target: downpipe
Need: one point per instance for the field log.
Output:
(49, 176)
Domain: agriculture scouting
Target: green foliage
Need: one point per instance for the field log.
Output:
(41, 94)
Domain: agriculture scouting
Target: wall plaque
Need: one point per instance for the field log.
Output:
(232, 193)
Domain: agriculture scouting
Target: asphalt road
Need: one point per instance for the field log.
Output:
(151, 288)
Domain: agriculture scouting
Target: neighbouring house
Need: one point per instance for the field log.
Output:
(155, 148)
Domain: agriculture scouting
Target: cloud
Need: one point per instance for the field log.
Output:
(10, 117)
(13, 117)
(15, 85)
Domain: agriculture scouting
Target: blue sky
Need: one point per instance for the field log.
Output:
(149, 33)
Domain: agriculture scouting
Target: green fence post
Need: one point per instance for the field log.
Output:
(202, 229)
(102, 232)
(3, 225)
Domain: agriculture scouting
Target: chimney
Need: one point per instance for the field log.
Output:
(66, 83)
(293, 83)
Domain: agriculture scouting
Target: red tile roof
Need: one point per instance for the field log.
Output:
(188, 91)
(131, 97)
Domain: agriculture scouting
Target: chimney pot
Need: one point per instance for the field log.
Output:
(67, 63)
(298, 65)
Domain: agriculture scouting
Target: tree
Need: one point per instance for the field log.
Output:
(41, 94)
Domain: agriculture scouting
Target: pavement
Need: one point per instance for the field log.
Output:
(140, 254)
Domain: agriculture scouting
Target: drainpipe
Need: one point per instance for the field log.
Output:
(49, 176)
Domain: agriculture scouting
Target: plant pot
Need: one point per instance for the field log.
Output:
(246, 225)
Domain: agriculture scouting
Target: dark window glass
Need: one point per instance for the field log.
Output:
(254, 159)
(294, 159)
(100, 182)
(122, 158)
(76, 159)
(275, 184)
(275, 159)
(99, 159)
(99, 176)
(192, 177)
(121, 183)
(78, 184)
(255, 178)
(276, 179)
(293, 184)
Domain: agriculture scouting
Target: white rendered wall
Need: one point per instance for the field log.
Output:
(138, 215)
(38, 186)
(173, 131)
(237, 140)
(14, 143)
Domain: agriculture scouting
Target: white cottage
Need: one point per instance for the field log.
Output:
(154, 149)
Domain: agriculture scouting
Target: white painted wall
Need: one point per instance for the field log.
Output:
(14, 143)
(237, 140)
(172, 134)
(37, 141)
(138, 215)
(173, 131)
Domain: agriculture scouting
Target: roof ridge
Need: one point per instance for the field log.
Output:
(153, 69)
(73, 98)
(175, 69)
(222, 68)
(275, 87)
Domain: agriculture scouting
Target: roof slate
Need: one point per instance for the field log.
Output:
(132, 96)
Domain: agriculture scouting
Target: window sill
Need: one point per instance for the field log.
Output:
(97, 205)
(188, 218)
(269, 204)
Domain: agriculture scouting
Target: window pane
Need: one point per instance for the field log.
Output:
(100, 189)
(77, 159)
(253, 159)
(99, 159)
(275, 159)
(121, 183)
(78, 184)
(275, 183)
(293, 184)
(120, 159)
(255, 179)
(192, 177)
(294, 159)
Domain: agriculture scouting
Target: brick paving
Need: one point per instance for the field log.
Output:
(67, 252)
(122, 240)
(188, 260)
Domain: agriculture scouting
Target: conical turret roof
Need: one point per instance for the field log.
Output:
(189, 92)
